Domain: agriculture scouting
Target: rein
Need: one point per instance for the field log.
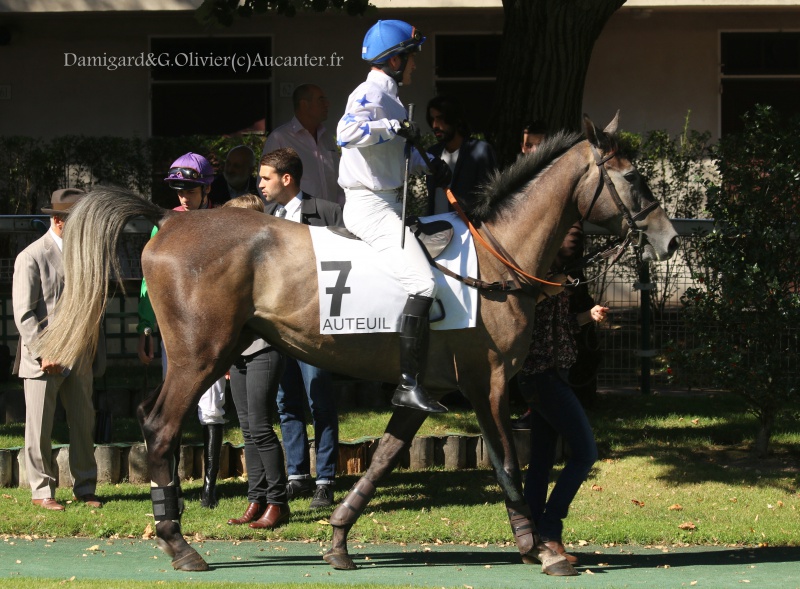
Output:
(614, 251)
(503, 257)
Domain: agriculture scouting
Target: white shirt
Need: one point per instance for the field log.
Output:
(372, 154)
(59, 241)
(293, 208)
(320, 158)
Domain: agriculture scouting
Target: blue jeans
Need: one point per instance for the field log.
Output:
(254, 380)
(555, 411)
(302, 381)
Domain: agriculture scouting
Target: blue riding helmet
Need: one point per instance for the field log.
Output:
(387, 38)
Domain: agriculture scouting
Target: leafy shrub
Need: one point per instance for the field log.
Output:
(36, 167)
(746, 308)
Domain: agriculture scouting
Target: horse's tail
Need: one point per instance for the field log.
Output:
(90, 260)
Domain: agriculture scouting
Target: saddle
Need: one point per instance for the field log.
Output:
(433, 236)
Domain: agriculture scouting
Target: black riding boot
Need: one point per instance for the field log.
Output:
(413, 354)
(212, 445)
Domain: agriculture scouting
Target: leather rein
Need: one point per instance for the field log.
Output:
(614, 251)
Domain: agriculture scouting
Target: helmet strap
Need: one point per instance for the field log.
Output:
(396, 75)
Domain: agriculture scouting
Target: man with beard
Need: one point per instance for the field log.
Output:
(237, 178)
(470, 160)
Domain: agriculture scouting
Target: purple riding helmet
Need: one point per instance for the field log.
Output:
(190, 170)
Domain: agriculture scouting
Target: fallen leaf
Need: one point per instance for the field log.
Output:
(693, 583)
(589, 572)
(676, 507)
(582, 543)
(687, 526)
(323, 522)
(92, 548)
(597, 488)
(637, 503)
(695, 421)
(148, 532)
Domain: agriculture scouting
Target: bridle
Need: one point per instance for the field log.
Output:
(634, 232)
(614, 251)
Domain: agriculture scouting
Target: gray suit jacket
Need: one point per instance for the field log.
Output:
(38, 282)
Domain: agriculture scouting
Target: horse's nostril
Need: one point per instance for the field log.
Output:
(674, 244)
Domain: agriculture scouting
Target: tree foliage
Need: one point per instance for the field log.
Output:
(225, 12)
(746, 310)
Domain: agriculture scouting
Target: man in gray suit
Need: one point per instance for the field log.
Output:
(38, 282)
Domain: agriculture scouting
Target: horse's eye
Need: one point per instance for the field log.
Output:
(631, 176)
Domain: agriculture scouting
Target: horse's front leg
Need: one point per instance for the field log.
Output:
(399, 433)
(494, 419)
(160, 420)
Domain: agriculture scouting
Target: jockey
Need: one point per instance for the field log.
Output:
(372, 134)
(191, 175)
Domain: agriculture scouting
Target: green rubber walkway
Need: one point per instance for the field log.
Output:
(488, 567)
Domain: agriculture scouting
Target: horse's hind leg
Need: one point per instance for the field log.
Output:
(399, 433)
(161, 416)
(493, 417)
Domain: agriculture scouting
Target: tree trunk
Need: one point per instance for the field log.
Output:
(547, 45)
(766, 418)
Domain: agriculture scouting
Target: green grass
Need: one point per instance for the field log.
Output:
(656, 453)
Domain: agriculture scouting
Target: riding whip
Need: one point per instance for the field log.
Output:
(406, 174)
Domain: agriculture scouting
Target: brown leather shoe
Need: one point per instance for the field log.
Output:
(253, 511)
(558, 548)
(49, 503)
(273, 516)
(89, 499)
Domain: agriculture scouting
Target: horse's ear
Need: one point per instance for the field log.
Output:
(611, 129)
(591, 131)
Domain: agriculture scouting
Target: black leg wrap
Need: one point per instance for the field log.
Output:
(348, 511)
(167, 503)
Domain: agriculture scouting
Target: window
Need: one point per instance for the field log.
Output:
(210, 85)
(466, 68)
(758, 68)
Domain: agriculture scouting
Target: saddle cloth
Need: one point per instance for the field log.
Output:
(358, 294)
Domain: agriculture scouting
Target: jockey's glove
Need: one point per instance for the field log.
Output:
(440, 173)
(409, 130)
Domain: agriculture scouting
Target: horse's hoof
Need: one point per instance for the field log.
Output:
(165, 547)
(190, 562)
(553, 563)
(340, 560)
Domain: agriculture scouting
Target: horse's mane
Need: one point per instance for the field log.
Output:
(496, 194)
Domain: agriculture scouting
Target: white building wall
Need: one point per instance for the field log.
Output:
(654, 66)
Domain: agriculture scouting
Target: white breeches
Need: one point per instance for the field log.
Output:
(375, 219)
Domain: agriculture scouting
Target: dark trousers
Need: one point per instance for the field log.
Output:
(254, 384)
(556, 411)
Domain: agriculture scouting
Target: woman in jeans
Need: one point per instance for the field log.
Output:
(556, 412)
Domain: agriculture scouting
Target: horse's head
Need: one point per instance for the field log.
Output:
(615, 196)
